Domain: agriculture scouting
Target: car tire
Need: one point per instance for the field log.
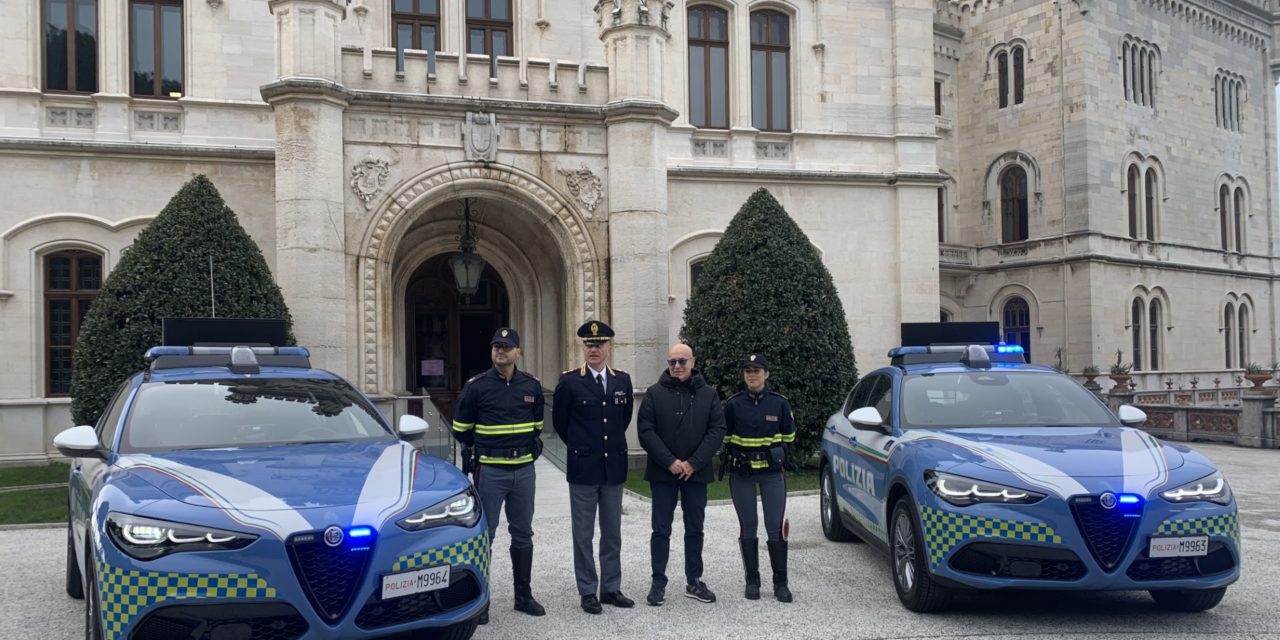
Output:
(908, 562)
(92, 617)
(75, 582)
(1188, 600)
(832, 527)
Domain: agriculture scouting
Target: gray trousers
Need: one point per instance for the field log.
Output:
(498, 484)
(584, 501)
(773, 493)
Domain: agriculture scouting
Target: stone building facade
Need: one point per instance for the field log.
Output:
(603, 147)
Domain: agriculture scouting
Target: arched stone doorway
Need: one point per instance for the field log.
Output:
(446, 335)
(541, 249)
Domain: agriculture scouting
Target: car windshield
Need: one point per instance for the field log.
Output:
(999, 398)
(213, 414)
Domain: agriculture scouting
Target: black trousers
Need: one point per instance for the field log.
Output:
(693, 506)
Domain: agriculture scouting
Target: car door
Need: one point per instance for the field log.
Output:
(850, 471)
(872, 449)
(87, 473)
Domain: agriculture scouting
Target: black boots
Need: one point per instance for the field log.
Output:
(522, 570)
(778, 558)
(751, 562)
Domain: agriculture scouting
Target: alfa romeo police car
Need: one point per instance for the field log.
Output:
(235, 492)
(974, 470)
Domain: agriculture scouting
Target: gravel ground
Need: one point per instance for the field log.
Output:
(842, 590)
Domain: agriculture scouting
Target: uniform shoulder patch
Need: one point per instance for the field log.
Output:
(565, 373)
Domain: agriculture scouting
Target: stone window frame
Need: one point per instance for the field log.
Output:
(1234, 217)
(78, 297)
(1009, 60)
(707, 43)
(158, 49)
(1139, 70)
(1229, 93)
(417, 19)
(71, 54)
(1238, 325)
(490, 25)
(1146, 331)
(785, 49)
(1144, 208)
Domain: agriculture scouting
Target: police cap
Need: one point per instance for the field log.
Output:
(507, 336)
(755, 360)
(595, 331)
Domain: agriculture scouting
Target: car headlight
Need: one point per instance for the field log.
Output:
(1211, 488)
(962, 492)
(462, 510)
(148, 539)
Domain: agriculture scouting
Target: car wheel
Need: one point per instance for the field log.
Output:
(832, 527)
(75, 584)
(908, 561)
(92, 618)
(1189, 600)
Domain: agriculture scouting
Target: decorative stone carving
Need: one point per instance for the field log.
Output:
(480, 137)
(368, 177)
(585, 186)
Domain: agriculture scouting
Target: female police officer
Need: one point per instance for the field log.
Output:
(760, 430)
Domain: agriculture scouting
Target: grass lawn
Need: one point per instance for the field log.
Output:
(40, 474)
(33, 506)
(803, 479)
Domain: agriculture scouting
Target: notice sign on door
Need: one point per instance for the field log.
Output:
(433, 367)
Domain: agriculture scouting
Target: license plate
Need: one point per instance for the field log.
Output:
(398, 585)
(1179, 547)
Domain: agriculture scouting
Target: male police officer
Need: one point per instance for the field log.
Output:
(499, 418)
(591, 412)
(760, 428)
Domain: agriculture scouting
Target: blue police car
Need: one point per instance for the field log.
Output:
(236, 492)
(974, 470)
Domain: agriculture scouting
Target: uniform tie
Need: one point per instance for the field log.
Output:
(600, 380)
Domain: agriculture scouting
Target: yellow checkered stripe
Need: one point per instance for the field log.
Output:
(123, 594)
(777, 438)
(946, 530)
(473, 551)
(1224, 526)
(506, 429)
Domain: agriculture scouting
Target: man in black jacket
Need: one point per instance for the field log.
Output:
(681, 426)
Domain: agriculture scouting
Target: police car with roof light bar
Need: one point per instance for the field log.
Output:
(974, 470)
(235, 492)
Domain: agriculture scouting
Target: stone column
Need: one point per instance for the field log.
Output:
(1251, 428)
(309, 101)
(635, 39)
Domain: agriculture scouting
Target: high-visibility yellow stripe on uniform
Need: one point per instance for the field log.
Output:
(741, 441)
(788, 437)
(507, 429)
(462, 426)
(759, 464)
(528, 457)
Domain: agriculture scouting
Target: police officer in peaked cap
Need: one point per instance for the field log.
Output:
(591, 411)
(499, 422)
(760, 431)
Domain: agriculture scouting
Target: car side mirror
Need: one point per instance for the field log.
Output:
(79, 442)
(1131, 416)
(412, 426)
(866, 419)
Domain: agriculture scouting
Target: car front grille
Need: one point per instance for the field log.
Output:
(1107, 531)
(377, 613)
(329, 575)
(1018, 561)
(259, 621)
(1218, 560)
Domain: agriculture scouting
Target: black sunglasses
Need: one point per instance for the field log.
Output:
(677, 361)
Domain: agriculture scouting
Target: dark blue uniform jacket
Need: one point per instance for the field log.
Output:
(758, 421)
(593, 425)
(500, 417)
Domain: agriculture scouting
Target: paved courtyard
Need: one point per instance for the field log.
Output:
(842, 590)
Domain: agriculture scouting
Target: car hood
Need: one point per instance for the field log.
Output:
(364, 475)
(1057, 456)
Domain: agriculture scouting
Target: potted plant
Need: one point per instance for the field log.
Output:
(1257, 374)
(1120, 371)
(1090, 372)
